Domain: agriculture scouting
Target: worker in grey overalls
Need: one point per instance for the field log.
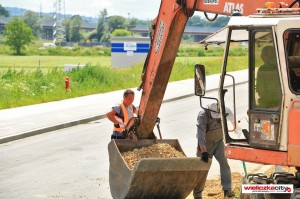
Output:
(210, 143)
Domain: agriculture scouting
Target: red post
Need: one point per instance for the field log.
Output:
(67, 84)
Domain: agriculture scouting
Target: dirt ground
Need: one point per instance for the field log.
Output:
(213, 189)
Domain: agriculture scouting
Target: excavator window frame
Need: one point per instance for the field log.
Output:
(255, 115)
(228, 138)
(292, 49)
(263, 121)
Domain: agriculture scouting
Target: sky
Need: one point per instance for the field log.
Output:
(141, 9)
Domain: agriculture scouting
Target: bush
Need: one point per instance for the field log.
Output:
(200, 53)
(121, 33)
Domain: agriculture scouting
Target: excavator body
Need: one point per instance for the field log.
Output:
(270, 134)
(176, 177)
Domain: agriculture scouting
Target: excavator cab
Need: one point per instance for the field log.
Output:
(262, 104)
(268, 100)
(270, 49)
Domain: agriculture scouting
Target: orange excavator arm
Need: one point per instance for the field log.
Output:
(167, 31)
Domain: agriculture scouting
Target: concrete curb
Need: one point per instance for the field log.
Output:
(50, 128)
(68, 124)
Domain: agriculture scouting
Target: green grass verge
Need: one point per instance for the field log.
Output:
(20, 87)
(19, 62)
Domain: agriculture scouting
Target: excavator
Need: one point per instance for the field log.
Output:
(270, 133)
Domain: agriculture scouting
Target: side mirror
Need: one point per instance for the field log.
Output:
(199, 80)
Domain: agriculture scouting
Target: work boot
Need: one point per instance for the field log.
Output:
(228, 194)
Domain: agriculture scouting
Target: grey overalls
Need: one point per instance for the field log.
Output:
(211, 129)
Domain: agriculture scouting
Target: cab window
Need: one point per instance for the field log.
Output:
(265, 77)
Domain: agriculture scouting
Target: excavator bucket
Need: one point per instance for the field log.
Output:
(153, 177)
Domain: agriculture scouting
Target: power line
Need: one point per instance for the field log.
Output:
(59, 16)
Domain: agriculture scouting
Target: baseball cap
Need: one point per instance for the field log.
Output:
(215, 113)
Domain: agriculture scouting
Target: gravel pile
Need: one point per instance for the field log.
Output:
(161, 150)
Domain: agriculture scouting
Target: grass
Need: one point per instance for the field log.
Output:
(47, 62)
(9, 61)
(213, 64)
(33, 79)
(25, 87)
(36, 48)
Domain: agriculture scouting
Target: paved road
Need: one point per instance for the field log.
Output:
(73, 162)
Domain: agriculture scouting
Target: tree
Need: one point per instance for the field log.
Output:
(75, 25)
(17, 34)
(220, 22)
(132, 22)
(199, 22)
(101, 24)
(196, 21)
(67, 24)
(33, 21)
(3, 12)
(116, 22)
(105, 37)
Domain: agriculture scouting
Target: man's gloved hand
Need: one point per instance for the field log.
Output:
(124, 133)
(204, 157)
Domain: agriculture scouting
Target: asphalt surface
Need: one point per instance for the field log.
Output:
(22, 122)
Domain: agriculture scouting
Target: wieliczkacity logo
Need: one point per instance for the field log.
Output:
(211, 1)
(267, 188)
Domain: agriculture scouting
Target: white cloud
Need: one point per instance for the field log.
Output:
(142, 9)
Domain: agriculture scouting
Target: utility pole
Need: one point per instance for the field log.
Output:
(41, 11)
(58, 28)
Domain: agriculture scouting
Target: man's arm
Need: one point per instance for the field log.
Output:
(201, 130)
(229, 115)
(111, 116)
(135, 110)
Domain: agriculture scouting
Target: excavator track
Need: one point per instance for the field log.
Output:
(274, 178)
